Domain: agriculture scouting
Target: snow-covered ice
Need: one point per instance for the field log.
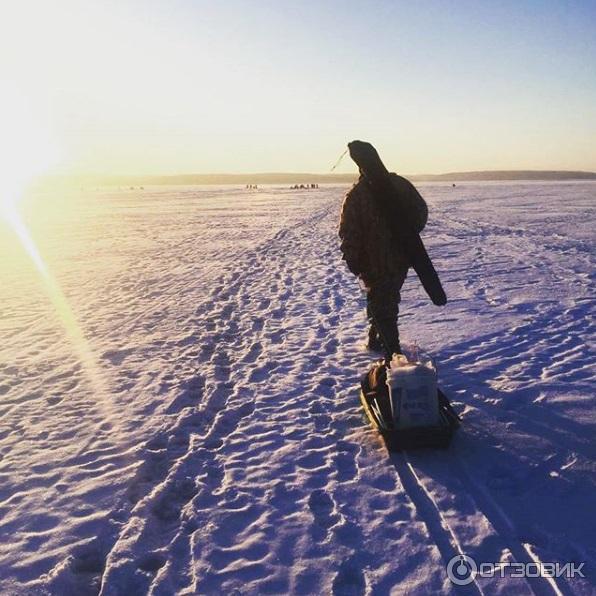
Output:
(179, 408)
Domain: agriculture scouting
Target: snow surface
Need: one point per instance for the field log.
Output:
(186, 419)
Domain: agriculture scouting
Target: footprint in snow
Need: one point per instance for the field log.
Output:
(322, 507)
(349, 579)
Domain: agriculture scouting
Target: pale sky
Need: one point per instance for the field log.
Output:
(187, 86)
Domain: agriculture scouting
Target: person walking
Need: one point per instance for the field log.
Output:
(380, 224)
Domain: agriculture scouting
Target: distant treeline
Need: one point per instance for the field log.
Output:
(301, 178)
(507, 175)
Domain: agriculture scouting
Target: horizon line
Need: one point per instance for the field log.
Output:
(301, 177)
(303, 172)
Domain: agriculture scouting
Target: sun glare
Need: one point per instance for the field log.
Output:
(26, 148)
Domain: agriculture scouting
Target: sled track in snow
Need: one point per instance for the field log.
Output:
(438, 529)
(446, 536)
(506, 531)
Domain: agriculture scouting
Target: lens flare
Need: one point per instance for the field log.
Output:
(60, 303)
(27, 150)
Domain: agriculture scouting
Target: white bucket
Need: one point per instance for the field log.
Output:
(413, 392)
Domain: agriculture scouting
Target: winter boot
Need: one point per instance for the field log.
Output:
(374, 343)
(389, 337)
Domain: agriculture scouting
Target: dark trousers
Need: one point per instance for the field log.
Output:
(382, 309)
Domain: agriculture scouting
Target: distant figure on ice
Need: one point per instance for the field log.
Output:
(381, 220)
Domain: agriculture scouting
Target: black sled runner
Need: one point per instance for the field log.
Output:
(375, 399)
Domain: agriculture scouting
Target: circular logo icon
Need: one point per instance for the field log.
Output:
(462, 570)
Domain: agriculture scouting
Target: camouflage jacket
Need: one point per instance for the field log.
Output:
(366, 240)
